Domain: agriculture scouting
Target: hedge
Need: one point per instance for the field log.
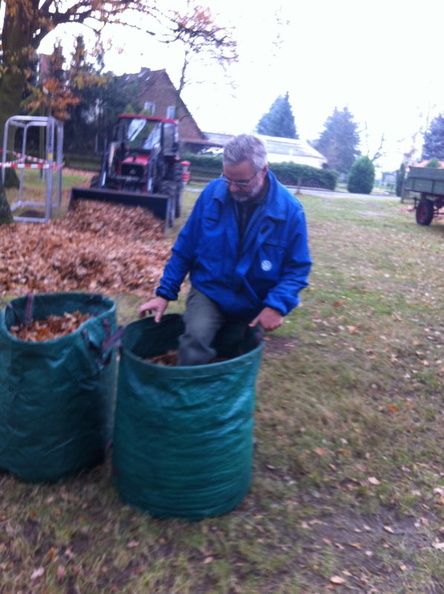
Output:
(206, 167)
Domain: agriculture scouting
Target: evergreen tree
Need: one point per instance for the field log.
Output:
(279, 121)
(433, 147)
(362, 176)
(339, 141)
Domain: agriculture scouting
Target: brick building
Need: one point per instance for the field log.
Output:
(158, 95)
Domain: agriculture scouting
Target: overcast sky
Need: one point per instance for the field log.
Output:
(381, 59)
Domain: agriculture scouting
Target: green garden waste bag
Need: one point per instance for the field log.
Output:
(183, 436)
(56, 396)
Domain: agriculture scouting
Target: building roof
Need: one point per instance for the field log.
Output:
(290, 146)
(280, 149)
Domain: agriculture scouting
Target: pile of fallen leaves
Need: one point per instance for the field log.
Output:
(97, 247)
(50, 328)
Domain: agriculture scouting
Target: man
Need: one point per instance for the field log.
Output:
(245, 247)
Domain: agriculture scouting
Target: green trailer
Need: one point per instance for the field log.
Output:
(427, 186)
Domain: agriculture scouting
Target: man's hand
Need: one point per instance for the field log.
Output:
(157, 304)
(269, 319)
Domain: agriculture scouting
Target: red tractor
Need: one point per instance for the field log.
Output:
(141, 167)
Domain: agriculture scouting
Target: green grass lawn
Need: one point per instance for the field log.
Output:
(348, 481)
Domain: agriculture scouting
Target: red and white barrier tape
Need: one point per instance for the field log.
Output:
(22, 157)
(16, 165)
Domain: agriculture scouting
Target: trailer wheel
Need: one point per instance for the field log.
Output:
(424, 211)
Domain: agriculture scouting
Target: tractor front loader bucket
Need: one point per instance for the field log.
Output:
(161, 205)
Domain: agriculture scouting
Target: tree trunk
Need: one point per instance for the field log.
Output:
(17, 45)
(11, 91)
(5, 210)
(18, 51)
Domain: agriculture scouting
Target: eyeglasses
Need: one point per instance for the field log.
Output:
(239, 184)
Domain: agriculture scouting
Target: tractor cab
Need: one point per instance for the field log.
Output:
(146, 133)
(141, 165)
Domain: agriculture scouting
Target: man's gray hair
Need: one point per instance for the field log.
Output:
(246, 147)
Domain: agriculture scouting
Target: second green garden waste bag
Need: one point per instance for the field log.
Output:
(56, 396)
(183, 436)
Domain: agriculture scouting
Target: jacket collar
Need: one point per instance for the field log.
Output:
(275, 210)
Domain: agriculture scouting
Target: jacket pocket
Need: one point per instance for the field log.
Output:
(268, 262)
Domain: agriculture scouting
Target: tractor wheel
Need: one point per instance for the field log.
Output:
(168, 187)
(424, 211)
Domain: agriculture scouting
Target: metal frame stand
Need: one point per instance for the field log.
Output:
(50, 166)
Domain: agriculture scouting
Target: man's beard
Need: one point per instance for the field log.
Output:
(242, 196)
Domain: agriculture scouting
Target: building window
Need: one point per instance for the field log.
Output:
(150, 107)
(171, 112)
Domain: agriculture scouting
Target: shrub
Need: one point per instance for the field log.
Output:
(292, 174)
(362, 176)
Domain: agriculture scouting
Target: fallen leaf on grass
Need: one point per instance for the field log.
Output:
(61, 572)
(339, 546)
(337, 579)
(37, 573)
(389, 529)
(439, 546)
(393, 408)
(51, 553)
(320, 451)
(373, 480)
(343, 452)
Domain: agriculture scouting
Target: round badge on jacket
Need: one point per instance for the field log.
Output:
(266, 265)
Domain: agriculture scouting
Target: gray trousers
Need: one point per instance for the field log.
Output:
(203, 318)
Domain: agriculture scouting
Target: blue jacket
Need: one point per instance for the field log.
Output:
(268, 268)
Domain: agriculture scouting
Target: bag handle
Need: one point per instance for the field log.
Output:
(105, 348)
(29, 309)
